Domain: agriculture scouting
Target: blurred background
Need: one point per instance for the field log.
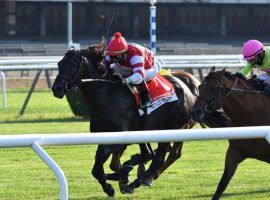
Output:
(210, 22)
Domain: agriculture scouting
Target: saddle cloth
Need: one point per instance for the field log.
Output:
(161, 91)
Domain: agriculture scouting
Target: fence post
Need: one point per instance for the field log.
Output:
(63, 187)
(3, 77)
(153, 26)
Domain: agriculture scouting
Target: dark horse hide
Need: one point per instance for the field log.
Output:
(245, 107)
(112, 108)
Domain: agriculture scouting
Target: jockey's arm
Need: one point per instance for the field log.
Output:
(138, 75)
(151, 73)
(246, 70)
(135, 78)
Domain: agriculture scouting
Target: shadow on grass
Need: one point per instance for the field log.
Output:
(224, 195)
(96, 198)
(66, 119)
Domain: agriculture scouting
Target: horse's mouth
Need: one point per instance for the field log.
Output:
(58, 90)
(58, 93)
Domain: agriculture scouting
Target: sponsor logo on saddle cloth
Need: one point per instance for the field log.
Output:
(161, 91)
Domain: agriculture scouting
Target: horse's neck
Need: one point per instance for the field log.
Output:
(95, 93)
(104, 95)
(111, 108)
(248, 108)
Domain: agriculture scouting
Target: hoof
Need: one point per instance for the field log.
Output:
(147, 182)
(126, 189)
(109, 190)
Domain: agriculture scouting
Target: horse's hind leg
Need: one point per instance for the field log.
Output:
(102, 154)
(115, 164)
(233, 158)
(174, 154)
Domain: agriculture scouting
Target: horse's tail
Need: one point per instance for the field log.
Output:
(191, 81)
(217, 119)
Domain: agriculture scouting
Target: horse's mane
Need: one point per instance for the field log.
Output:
(94, 52)
(254, 82)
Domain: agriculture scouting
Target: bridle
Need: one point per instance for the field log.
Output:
(71, 82)
(213, 103)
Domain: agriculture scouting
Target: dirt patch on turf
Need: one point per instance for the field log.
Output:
(26, 82)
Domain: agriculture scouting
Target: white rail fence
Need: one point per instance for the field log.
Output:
(128, 137)
(167, 61)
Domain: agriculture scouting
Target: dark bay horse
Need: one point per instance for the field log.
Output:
(245, 107)
(112, 108)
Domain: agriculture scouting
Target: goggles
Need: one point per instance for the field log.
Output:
(115, 58)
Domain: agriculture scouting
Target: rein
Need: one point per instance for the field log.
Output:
(247, 90)
(96, 79)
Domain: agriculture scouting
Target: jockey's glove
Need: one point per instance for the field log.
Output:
(102, 70)
(124, 81)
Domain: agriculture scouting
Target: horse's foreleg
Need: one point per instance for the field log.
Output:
(102, 154)
(175, 153)
(233, 158)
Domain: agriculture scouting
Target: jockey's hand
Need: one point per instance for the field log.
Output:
(102, 70)
(123, 81)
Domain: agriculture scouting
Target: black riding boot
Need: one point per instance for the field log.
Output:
(145, 98)
(266, 90)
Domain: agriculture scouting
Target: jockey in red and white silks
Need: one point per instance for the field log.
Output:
(133, 62)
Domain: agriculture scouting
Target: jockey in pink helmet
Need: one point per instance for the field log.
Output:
(133, 62)
(257, 56)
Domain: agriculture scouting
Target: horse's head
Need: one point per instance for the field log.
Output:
(212, 92)
(71, 69)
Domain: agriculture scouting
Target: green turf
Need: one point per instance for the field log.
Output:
(24, 176)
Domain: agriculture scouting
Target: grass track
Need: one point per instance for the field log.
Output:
(24, 176)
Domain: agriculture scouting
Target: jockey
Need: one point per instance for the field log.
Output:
(257, 56)
(133, 62)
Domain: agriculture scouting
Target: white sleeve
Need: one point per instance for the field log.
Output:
(151, 73)
(135, 78)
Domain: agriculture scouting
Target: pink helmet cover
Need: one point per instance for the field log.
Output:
(252, 48)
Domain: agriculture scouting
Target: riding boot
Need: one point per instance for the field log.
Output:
(266, 90)
(144, 93)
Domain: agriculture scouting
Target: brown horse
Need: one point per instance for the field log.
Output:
(245, 106)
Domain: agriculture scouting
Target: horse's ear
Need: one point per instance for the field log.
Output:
(223, 70)
(97, 48)
(72, 48)
(212, 69)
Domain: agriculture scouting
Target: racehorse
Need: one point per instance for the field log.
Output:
(245, 107)
(112, 108)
